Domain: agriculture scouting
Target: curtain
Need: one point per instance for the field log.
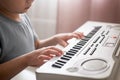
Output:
(43, 17)
(74, 13)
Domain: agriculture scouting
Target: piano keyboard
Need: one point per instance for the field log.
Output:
(66, 57)
(95, 57)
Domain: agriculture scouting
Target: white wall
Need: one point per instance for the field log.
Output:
(43, 16)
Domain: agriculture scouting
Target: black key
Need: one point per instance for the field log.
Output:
(85, 39)
(92, 32)
(57, 66)
(97, 28)
(73, 51)
(64, 58)
(71, 54)
(81, 43)
(67, 56)
(89, 35)
(77, 47)
(80, 46)
(61, 61)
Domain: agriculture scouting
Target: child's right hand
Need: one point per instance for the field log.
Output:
(40, 56)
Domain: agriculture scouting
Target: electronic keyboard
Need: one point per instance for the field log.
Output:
(94, 57)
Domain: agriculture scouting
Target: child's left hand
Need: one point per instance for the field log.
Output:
(64, 37)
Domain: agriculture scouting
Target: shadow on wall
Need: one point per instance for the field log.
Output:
(73, 13)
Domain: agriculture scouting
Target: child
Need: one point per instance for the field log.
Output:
(19, 44)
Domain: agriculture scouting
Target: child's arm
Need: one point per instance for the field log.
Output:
(11, 68)
(35, 58)
(58, 39)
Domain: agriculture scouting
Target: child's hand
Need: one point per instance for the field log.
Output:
(64, 37)
(40, 56)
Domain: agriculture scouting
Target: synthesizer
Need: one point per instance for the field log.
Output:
(94, 57)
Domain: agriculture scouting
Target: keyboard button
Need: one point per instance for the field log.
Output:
(96, 39)
(93, 51)
(87, 51)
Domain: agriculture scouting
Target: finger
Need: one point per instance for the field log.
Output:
(43, 58)
(62, 43)
(74, 35)
(52, 52)
(57, 49)
(40, 60)
(79, 34)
